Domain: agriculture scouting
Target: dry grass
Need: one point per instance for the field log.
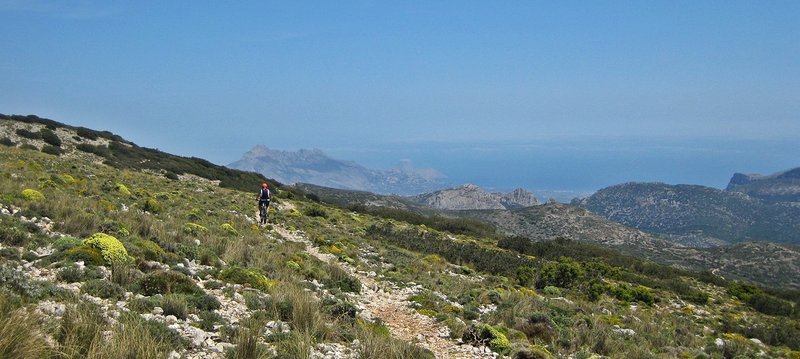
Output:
(19, 336)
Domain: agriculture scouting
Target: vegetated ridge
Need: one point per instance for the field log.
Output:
(750, 261)
(59, 139)
(767, 263)
(98, 261)
(697, 215)
(313, 166)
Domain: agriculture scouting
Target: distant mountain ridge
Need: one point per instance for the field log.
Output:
(315, 167)
(697, 215)
(470, 196)
(778, 187)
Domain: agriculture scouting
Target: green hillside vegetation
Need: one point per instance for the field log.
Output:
(119, 153)
(191, 248)
(695, 214)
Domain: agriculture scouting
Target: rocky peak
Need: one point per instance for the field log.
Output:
(470, 196)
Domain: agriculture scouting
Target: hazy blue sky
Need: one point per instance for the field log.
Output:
(214, 78)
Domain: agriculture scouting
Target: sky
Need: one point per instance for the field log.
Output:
(559, 86)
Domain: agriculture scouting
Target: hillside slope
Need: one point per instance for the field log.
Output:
(696, 215)
(102, 146)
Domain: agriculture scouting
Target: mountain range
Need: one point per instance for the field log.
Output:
(314, 166)
(698, 215)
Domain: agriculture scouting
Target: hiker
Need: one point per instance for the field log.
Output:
(263, 202)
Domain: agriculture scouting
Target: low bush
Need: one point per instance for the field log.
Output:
(486, 335)
(250, 276)
(22, 132)
(52, 150)
(204, 302)
(70, 274)
(32, 195)
(174, 304)
(110, 248)
(103, 289)
(50, 137)
(11, 253)
(165, 282)
(88, 255)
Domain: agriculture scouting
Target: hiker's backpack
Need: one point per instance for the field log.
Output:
(263, 195)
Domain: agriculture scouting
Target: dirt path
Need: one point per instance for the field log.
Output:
(384, 300)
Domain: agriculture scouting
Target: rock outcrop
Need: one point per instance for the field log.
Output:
(470, 196)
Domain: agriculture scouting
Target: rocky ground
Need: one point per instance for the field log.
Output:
(377, 300)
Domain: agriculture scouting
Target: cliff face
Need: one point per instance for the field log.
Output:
(778, 187)
(470, 196)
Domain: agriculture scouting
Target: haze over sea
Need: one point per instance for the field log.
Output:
(584, 165)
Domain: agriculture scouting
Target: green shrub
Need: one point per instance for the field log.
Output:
(255, 300)
(124, 274)
(209, 319)
(250, 276)
(164, 282)
(153, 252)
(18, 283)
(194, 228)
(152, 205)
(551, 291)
(339, 278)
(11, 253)
(122, 189)
(86, 254)
(228, 228)
(771, 305)
(50, 137)
(144, 304)
(115, 227)
(70, 274)
(203, 302)
(315, 211)
(52, 150)
(110, 248)
(12, 234)
(563, 274)
(103, 289)
(32, 195)
(86, 133)
(28, 134)
(66, 242)
(174, 304)
(484, 334)
(100, 150)
(5, 141)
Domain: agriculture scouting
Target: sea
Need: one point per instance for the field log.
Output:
(564, 168)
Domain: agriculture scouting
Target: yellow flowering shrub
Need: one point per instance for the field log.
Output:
(110, 247)
(32, 195)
